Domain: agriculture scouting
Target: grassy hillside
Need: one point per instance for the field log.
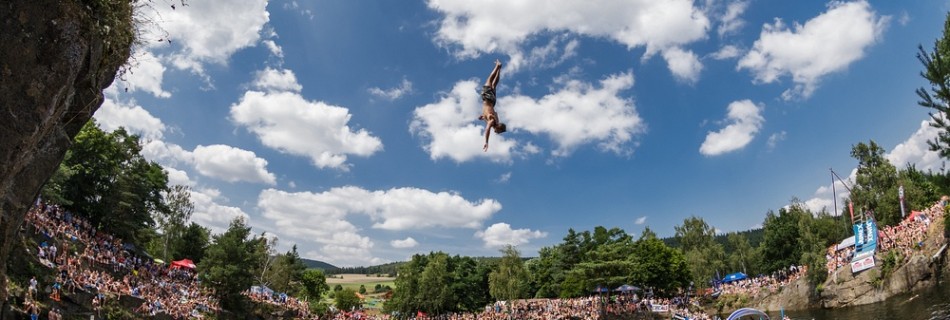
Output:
(315, 264)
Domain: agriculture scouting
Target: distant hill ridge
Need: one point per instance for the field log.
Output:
(316, 264)
(754, 235)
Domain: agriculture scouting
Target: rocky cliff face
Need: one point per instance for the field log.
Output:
(843, 289)
(56, 57)
(867, 287)
(797, 295)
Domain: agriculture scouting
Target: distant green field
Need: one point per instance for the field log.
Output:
(353, 281)
(370, 286)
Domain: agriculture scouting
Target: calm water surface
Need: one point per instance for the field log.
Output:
(927, 304)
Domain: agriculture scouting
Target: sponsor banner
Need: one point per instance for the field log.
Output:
(861, 263)
(865, 236)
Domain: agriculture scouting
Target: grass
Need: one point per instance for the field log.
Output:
(370, 286)
(354, 281)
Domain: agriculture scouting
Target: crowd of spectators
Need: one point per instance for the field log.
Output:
(838, 258)
(98, 263)
(93, 261)
(262, 295)
(772, 282)
(587, 308)
(906, 237)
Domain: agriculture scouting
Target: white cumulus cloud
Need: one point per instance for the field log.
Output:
(451, 129)
(178, 177)
(274, 49)
(277, 80)
(146, 74)
(231, 164)
(823, 45)
(210, 214)
(322, 219)
(168, 154)
(916, 151)
(218, 161)
(731, 21)
(284, 120)
(744, 120)
(135, 119)
(726, 52)
(472, 28)
(501, 234)
(684, 64)
(291, 124)
(775, 138)
(324, 227)
(406, 243)
(393, 209)
(404, 88)
(913, 151)
(579, 113)
(641, 220)
(207, 31)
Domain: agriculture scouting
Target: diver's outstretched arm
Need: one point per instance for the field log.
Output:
(488, 127)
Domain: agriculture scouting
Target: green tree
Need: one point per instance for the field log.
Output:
(546, 272)
(112, 184)
(347, 299)
(54, 189)
(567, 255)
(813, 246)
(742, 257)
(434, 284)
(405, 297)
(266, 250)
(313, 284)
(703, 254)
(782, 244)
(194, 242)
(920, 188)
(608, 263)
(178, 209)
(437, 283)
(937, 72)
(875, 178)
(509, 280)
(285, 272)
(694, 233)
(658, 266)
(228, 265)
(469, 283)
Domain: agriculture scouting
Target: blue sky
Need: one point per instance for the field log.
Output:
(349, 128)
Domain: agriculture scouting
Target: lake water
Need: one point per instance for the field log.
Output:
(927, 304)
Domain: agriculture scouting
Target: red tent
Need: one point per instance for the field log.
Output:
(916, 215)
(183, 263)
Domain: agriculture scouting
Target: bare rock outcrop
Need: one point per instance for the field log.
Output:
(56, 57)
(868, 286)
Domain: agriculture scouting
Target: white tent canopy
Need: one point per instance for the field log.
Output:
(847, 242)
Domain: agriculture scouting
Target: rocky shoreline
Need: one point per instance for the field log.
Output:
(922, 270)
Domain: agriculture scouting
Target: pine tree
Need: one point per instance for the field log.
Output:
(937, 72)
